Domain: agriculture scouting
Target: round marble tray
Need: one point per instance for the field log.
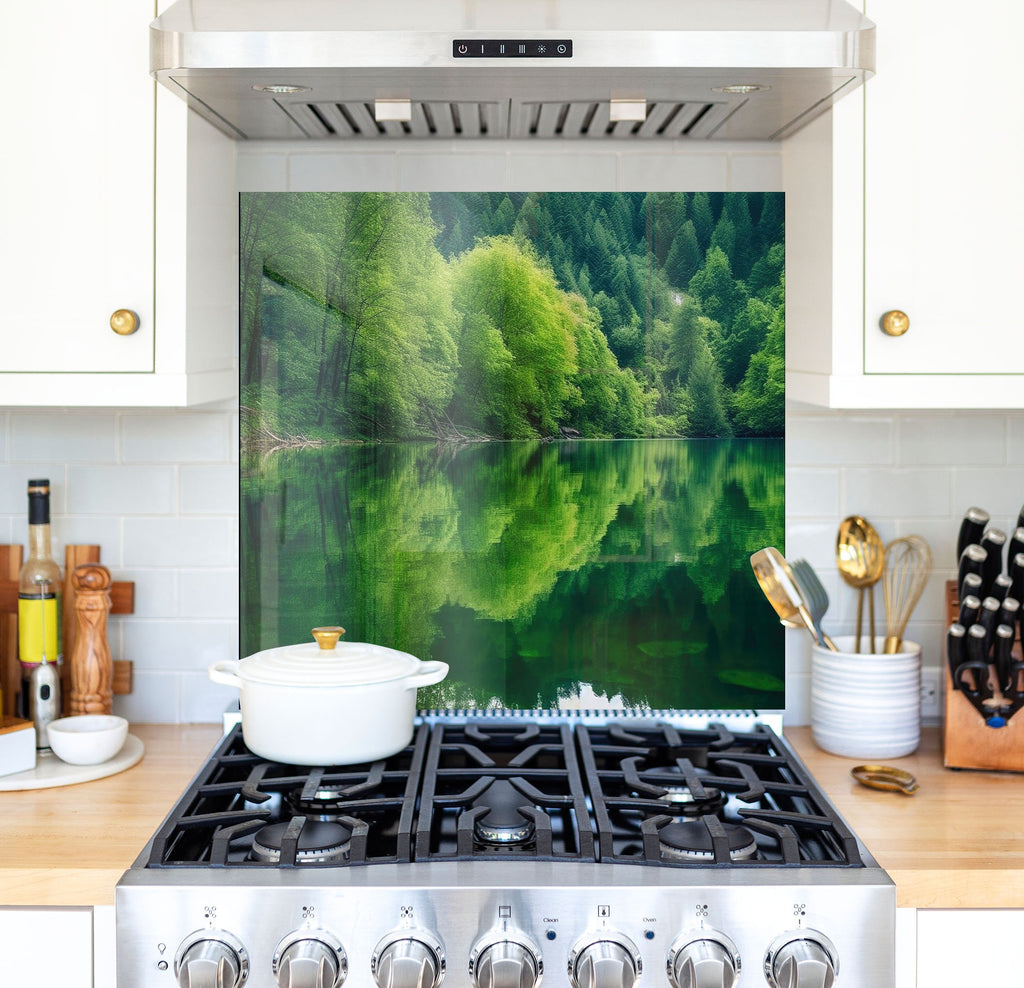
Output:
(50, 771)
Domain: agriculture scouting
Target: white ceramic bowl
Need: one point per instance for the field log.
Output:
(88, 739)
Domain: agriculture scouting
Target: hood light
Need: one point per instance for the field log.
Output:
(741, 89)
(279, 89)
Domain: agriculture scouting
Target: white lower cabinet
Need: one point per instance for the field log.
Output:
(969, 947)
(47, 947)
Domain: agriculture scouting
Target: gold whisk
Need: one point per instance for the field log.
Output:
(908, 564)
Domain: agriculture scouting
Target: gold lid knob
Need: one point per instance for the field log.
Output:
(124, 322)
(895, 323)
(328, 637)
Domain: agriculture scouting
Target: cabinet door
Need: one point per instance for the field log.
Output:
(43, 946)
(944, 194)
(76, 186)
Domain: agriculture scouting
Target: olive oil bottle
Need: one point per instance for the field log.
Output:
(39, 596)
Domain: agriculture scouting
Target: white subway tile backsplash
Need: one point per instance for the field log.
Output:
(155, 698)
(173, 437)
(572, 171)
(209, 490)
(14, 478)
(937, 440)
(203, 701)
(1015, 438)
(446, 172)
(896, 493)
(811, 492)
(842, 441)
(673, 172)
(82, 437)
(179, 645)
(178, 542)
(755, 172)
(156, 593)
(999, 490)
(367, 172)
(260, 171)
(122, 490)
(209, 593)
(101, 530)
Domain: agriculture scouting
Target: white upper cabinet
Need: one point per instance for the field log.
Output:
(908, 198)
(99, 217)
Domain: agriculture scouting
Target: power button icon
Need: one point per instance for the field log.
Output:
(463, 49)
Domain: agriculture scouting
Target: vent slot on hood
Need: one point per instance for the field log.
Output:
(355, 119)
(574, 119)
(591, 119)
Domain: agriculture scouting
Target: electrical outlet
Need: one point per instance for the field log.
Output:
(931, 694)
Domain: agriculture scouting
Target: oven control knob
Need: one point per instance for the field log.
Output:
(211, 959)
(608, 960)
(310, 959)
(801, 959)
(705, 960)
(505, 961)
(409, 959)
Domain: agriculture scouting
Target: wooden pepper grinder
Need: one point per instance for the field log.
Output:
(92, 670)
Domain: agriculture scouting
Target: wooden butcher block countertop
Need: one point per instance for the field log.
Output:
(958, 843)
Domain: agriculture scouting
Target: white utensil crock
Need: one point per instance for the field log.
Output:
(307, 705)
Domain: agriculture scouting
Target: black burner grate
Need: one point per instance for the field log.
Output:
(625, 792)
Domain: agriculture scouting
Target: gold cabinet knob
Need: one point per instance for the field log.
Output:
(895, 323)
(124, 322)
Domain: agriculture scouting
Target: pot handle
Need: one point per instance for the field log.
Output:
(224, 673)
(429, 673)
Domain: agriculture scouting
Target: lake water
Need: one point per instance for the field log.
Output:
(560, 574)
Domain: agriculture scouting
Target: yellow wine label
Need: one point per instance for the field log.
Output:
(38, 629)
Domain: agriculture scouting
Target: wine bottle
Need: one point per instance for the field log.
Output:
(39, 592)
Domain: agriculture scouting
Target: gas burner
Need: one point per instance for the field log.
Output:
(326, 803)
(503, 824)
(318, 843)
(681, 801)
(691, 841)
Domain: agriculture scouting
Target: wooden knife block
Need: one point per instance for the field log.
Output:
(967, 741)
(122, 596)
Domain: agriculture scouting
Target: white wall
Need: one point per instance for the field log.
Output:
(158, 490)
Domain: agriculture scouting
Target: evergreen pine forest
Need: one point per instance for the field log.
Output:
(459, 316)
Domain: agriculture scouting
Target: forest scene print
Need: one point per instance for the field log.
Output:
(534, 435)
(400, 316)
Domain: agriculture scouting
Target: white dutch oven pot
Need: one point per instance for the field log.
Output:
(328, 702)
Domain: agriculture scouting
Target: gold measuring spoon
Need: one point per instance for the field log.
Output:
(860, 559)
(885, 777)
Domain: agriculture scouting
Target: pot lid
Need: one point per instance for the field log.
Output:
(328, 662)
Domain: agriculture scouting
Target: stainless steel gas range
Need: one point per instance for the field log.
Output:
(498, 851)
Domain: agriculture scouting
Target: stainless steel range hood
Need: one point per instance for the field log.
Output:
(497, 69)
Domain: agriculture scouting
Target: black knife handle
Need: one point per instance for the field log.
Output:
(1020, 517)
(1009, 612)
(993, 542)
(972, 560)
(988, 618)
(970, 607)
(1016, 571)
(956, 651)
(1016, 545)
(1001, 586)
(1001, 658)
(977, 661)
(971, 528)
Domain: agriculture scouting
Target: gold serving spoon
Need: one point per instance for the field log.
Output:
(860, 559)
(775, 578)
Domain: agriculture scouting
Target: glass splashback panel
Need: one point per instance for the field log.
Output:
(537, 436)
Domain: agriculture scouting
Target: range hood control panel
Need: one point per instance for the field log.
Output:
(514, 48)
